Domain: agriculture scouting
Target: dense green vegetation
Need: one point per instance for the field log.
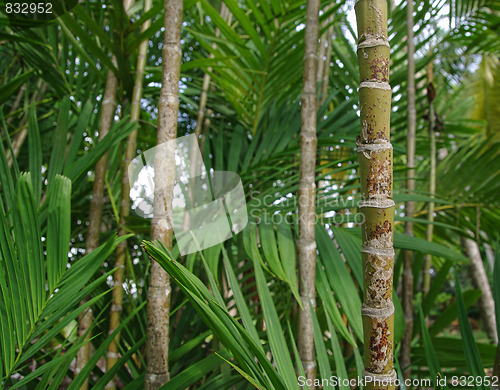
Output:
(234, 307)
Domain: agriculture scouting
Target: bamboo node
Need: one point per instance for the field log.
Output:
(377, 203)
(378, 312)
(385, 379)
(376, 147)
(373, 41)
(375, 84)
(308, 365)
(377, 251)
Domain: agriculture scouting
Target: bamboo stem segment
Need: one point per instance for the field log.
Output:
(307, 193)
(158, 306)
(377, 206)
(426, 276)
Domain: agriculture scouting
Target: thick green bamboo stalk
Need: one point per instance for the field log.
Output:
(96, 204)
(431, 93)
(121, 251)
(405, 359)
(375, 159)
(158, 306)
(307, 194)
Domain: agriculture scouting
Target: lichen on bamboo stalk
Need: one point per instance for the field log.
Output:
(376, 173)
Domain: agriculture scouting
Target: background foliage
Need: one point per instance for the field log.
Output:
(234, 306)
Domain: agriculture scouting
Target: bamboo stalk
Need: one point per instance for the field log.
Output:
(23, 124)
(226, 15)
(480, 281)
(121, 251)
(324, 65)
(410, 205)
(158, 306)
(224, 12)
(426, 276)
(95, 213)
(307, 194)
(375, 166)
(326, 73)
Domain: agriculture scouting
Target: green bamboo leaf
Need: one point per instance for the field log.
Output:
(337, 356)
(240, 300)
(430, 353)
(124, 359)
(197, 371)
(28, 233)
(35, 152)
(8, 89)
(58, 229)
(118, 132)
(212, 256)
(321, 354)
(14, 317)
(351, 248)
(247, 25)
(286, 248)
(235, 149)
(188, 346)
(269, 246)
(451, 312)
(5, 175)
(224, 326)
(340, 280)
(274, 330)
(472, 356)
(99, 352)
(59, 142)
(330, 305)
(244, 375)
(402, 241)
(77, 136)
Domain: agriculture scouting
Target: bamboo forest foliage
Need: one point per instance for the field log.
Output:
(233, 320)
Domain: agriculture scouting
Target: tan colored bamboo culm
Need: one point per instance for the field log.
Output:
(158, 305)
(307, 194)
(426, 276)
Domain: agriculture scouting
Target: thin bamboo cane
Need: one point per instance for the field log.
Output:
(121, 251)
(426, 276)
(407, 301)
(325, 56)
(224, 13)
(23, 124)
(96, 204)
(158, 306)
(307, 194)
(480, 281)
(375, 166)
